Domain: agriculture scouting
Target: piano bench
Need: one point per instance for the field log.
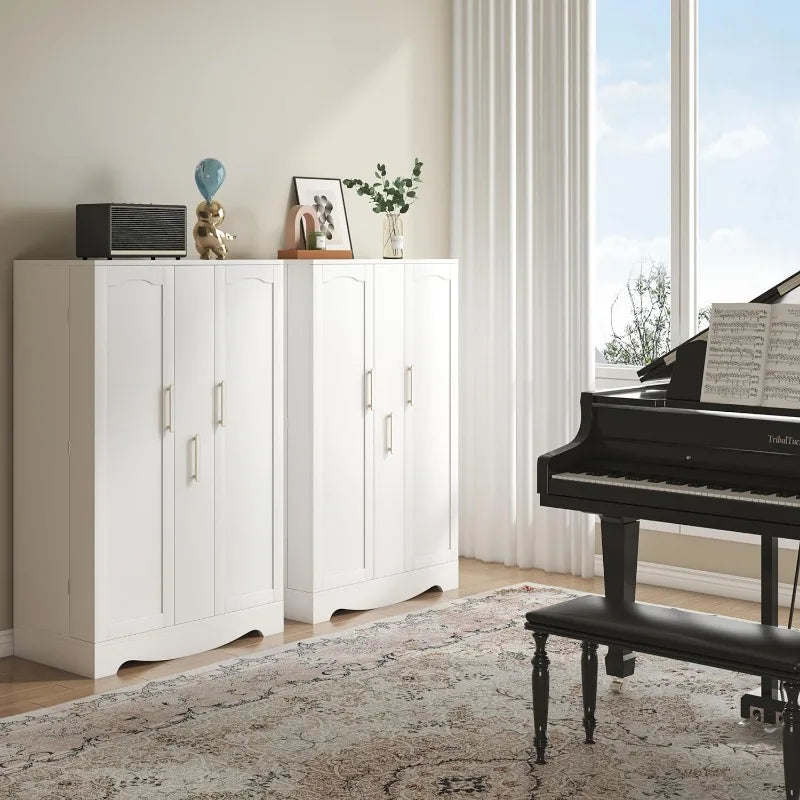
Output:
(688, 636)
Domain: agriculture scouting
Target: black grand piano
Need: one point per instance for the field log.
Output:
(655, 452)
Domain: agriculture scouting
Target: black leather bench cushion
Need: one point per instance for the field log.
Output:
(684, 635)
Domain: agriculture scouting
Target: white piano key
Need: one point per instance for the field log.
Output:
(683, 489)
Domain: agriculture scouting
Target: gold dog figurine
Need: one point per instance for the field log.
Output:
(208, 237)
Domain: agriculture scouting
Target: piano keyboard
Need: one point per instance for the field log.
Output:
(677, 486)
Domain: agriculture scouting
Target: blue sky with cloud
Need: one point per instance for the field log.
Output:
(749, 142)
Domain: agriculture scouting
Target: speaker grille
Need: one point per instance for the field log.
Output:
(148, 229)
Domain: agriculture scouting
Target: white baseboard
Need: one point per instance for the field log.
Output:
(696, 580)
(7, 643)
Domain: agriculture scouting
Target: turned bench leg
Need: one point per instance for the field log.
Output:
(791, 741)
(541, 695)
(589, 685)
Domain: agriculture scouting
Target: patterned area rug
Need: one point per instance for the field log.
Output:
(434, 704)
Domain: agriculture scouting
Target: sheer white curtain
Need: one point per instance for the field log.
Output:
(522, 227)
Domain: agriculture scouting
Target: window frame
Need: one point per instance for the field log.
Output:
(683, 158)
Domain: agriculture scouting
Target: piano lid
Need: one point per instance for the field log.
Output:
(655, 395)
(662, 366)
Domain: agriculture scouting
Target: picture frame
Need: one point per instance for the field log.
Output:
(326, 196)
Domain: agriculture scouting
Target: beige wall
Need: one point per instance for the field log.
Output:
(110, 100)
(710, 555)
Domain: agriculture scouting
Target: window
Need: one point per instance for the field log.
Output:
(697, 176)
(632, 146)
(749, 142)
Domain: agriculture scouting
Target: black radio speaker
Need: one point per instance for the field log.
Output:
(118, 230)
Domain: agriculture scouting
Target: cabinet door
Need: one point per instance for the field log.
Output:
(134, 449)
(194, 442)
(389, 411)
(343, 425)
(431, 420)
(249, 435)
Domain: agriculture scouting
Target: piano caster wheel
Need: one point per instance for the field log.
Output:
(616, 685)
(774, 727)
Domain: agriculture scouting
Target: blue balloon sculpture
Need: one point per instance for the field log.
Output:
(209, 175)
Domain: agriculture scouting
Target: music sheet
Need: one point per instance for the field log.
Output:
(782, 374)
(737, 354)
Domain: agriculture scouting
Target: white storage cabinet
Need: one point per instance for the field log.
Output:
(372, 511)
(148, 458)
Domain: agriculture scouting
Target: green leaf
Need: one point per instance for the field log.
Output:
(412, 193)
(404, 209)
(408, 181)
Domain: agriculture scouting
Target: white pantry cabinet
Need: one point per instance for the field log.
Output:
(148, 458)
(372, 483)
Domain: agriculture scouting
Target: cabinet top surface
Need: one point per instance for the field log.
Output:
(344, 261)
(196, 262)
(146, 262)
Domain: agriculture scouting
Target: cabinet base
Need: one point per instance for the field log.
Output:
(99, 659)
(317, 607)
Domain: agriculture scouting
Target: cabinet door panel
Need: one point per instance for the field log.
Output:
(135, 457)
(389, 410)
(343, 460)
(194, 443)
(248, 420)
(431, 312)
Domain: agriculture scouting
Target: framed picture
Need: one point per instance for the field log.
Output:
(325, 196)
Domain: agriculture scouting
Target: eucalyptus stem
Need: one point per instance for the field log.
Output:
(395, 197)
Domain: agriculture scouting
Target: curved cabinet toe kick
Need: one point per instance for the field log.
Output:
(372, 426)
(98, 660)
(317, 607)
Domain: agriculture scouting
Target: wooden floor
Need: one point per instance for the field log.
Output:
(25, 685)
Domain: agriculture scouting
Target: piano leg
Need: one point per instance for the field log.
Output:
(768, 703)
(620, 537)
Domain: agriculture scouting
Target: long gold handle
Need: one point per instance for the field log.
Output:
(410, 385)
(221, 419)
(168, 409)
(196, 473)
(390, 433)
(368, 390)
